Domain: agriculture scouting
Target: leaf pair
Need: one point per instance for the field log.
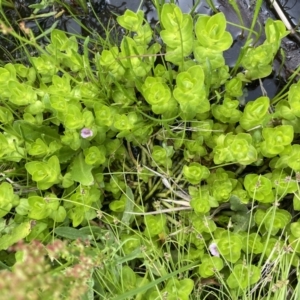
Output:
(45, 174)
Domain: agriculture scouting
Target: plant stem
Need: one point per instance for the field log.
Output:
(153, 190)
(282, 16)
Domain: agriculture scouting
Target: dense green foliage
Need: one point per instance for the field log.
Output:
(147, 154)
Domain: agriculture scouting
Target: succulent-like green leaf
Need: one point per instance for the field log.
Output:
(73, 118)
(132, 55)
(155, 225)
(230, 246)
(234, 87)
(7, 74)
(293, 159)
(104, 114)
(158, 94)
(118, 205)
(110, 60)
(60, 85)
(294, 99)
(18, 233)
(177, 33)
(46, 174)
(81, 171)
(282, 182)
(255, 113)
(46, 66)
(38, 148)
(243, 276)
(21, 94)
(195, 172)
(273, 219)
(295, 229)
(190, 92)
(203, 224)
(227, 112)
(296, 201)
(259, 188)
(115, 186)
(161, 156)
(276, 139)
(209, 59)
(200, 201)
(130, 20)
(6, 116)
(58, 215)
(257, 61)
(95, 155)
(179, 288)
(283, 110)
(7, 198)
(275, 31)
(76, 214)
(211, 32)
(235, 148)
(210, 266)
(252, 244)
(59, 39)
(143, 35)
(39, 208)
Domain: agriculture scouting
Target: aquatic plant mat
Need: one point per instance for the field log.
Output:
(141, 163)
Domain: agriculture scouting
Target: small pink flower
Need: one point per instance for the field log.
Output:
(213, 249)
(86, 132)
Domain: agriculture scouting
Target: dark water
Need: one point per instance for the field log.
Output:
(292, 9)
(106, 12)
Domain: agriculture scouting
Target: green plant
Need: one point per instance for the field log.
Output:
(152, 161)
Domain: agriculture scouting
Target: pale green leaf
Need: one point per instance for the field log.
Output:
(81, 172)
